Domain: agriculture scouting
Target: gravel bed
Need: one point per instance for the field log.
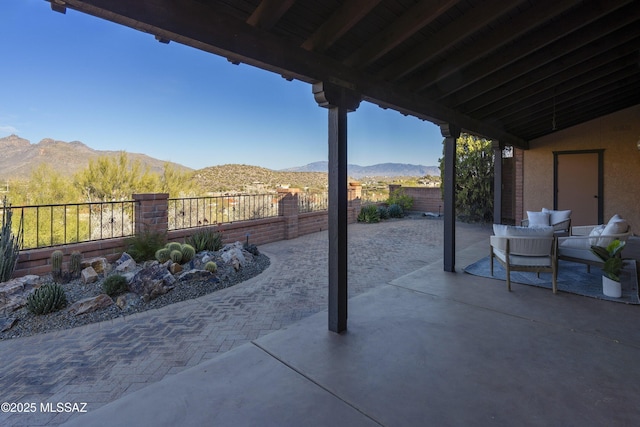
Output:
(29, 324)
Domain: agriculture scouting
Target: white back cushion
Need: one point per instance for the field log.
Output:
(538, 219)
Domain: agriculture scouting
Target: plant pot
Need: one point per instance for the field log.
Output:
(611, 288)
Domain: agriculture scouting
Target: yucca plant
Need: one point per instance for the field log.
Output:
(369, 214)
(205, 240)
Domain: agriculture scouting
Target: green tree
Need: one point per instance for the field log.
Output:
(474, 178)
(47, 186)
(176, 183)
(112, 179)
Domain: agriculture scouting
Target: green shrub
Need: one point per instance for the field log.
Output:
(188, 252)
(9, 245)
(383, 212)
(46, 299)
(211, 266)
(399, 197)
(369, 214)
(395, 211)
(205, 240)
(115, 284)
(163, 255)
(143, 246)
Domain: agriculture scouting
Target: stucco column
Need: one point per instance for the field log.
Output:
(497, 182)
(339, 101)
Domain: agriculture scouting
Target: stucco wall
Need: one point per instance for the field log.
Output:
(618, 135)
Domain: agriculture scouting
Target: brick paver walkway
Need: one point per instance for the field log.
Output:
(101, 362)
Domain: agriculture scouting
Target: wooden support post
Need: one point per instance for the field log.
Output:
(450, 134)
(497, 182)
(339, 101)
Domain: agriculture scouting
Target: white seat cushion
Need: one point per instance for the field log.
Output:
(524, 261)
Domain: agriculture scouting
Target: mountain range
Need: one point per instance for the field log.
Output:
(382, 169)
(19, 158)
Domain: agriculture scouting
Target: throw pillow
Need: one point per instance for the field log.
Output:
(557, 216)
(538, 219)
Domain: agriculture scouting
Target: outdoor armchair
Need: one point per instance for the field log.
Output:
(525, 249)
(559, 220)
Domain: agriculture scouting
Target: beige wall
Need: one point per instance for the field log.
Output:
(618, 135)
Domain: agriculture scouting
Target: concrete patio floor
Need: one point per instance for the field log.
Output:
(425, 348)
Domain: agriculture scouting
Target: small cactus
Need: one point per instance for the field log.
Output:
(176, 256)
(211, 267)
(188, 252)
(174, 246)
(75, 264)
(46, 299)
(163, 255)
(56, 264)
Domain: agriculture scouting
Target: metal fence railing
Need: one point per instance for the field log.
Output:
(60, 224)
(201, 211)
(313, 202)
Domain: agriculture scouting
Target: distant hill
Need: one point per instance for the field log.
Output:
(246, 178)
(18, 157)
(382, 169)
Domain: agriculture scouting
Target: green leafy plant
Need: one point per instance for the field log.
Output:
(46, 299)
(396, 211)
(143, 246)
(9, 245)
(206, 240)
(369, 214)
(611, 255)
(115, 284)
(188, 252)
(401, 198)
(211, 266)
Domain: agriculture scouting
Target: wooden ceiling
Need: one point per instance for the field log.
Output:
(508, 70)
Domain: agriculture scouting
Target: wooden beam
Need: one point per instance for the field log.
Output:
(401, 29)
(450, 133)
(500, 36)
(345, 17)
(540, 56)
(531, 44)
(456, 31)
(268, 13)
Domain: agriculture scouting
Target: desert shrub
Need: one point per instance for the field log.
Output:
(115, 284)
(369, 214)
(399, 197)
(46, 299)
(143, 246)
(383, 212)
(205, 240)
(396, 211)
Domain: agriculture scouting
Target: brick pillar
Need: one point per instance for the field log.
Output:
(289, 210)
(518, 156)
(152, 212)
(355, 201)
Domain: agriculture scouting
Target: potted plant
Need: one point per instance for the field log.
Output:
(610, 255)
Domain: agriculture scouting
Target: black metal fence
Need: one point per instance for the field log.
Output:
(202, 211)
(313, 202)
(52, 225)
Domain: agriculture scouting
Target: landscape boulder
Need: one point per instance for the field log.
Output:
(14, 292)
(89, 275)
(99, 264)
(90, 304)
(125, 263)
(152, 281)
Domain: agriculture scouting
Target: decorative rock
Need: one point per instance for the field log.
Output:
(152, 282)
(99, 264)
(14, 292)
(175, 268)
(7, 323)
(88, 305)
(235, 255)
(89, 275)
(127, 265)
(128, 300)
(196, 274)
(125, 257)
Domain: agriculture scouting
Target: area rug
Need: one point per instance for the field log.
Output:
(572, 277)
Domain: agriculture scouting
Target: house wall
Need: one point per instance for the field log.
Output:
(618, 135)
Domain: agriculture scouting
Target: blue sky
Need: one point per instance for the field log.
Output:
(74, 77)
